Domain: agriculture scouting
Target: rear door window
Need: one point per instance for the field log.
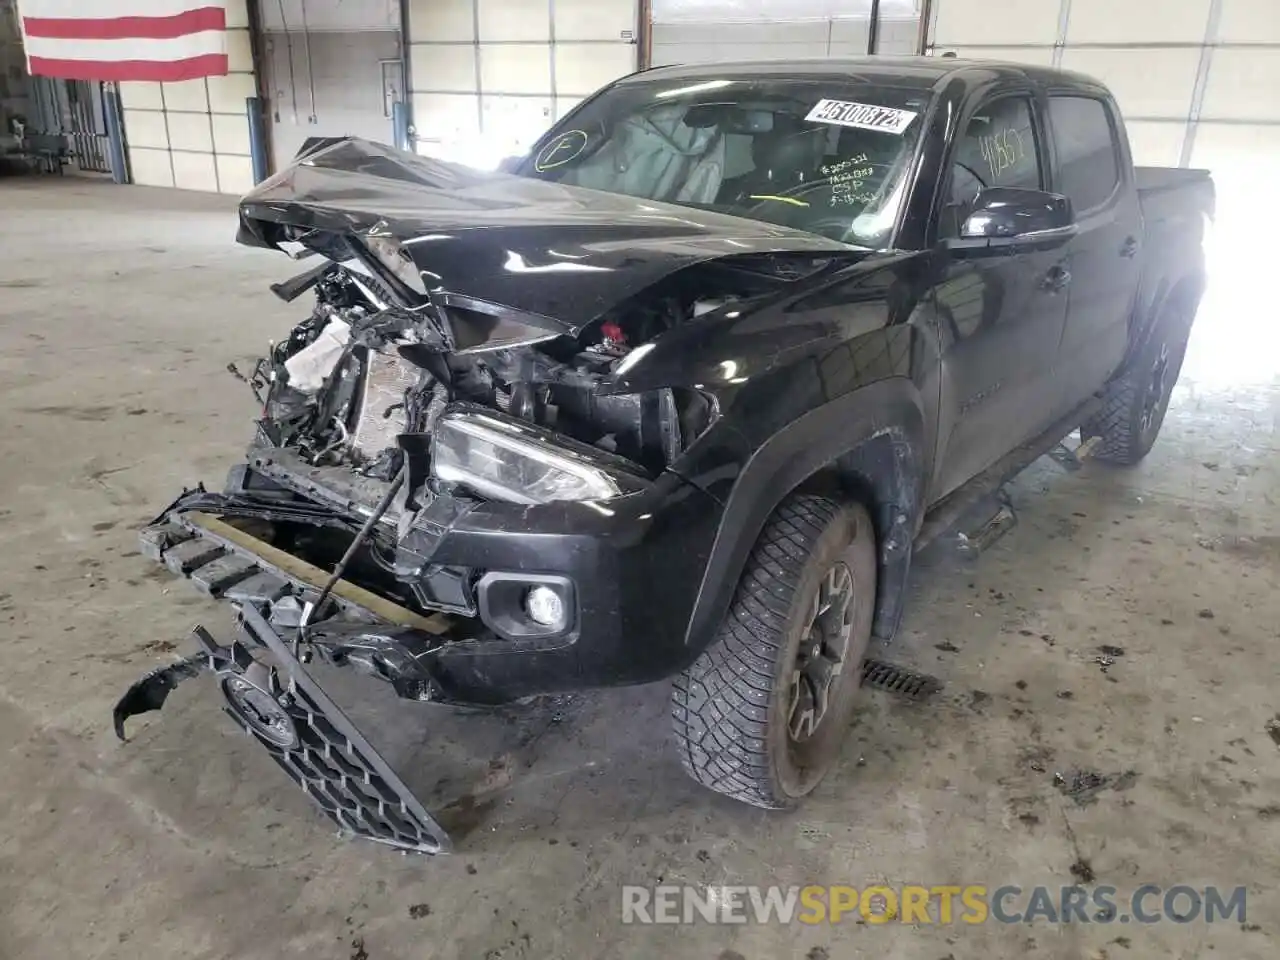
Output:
(1088, 161)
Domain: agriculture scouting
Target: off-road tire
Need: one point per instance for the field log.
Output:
(1132, 412)
(731, 709)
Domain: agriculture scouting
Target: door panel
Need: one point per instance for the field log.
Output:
(1001, 317)
(1105, 256)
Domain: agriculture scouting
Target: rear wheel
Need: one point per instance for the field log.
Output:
(1136, 403)
(761, 715)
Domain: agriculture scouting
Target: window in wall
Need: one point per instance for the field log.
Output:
(1087, 155)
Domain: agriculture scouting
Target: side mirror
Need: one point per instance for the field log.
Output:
(1009, 220)
(510, 164)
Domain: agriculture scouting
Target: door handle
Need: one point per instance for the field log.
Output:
(1130, 248)
(1056, 279)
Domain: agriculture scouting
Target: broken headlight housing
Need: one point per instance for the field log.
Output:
(505, 458)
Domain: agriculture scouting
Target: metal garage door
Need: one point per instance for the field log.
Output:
(488, 76)
(690, 31)
(332, 69)
(1197, 82)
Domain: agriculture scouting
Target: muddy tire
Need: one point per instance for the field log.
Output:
(1136, 403)
(761, 715)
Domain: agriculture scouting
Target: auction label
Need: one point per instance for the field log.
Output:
(864, 116)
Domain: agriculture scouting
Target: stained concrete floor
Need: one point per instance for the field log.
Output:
(119, 311)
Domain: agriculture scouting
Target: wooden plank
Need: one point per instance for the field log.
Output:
(315, 577)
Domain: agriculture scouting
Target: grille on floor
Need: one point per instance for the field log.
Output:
(899, 680)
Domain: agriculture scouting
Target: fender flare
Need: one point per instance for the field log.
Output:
(887, 415)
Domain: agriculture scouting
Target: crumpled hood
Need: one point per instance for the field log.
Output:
(562, 253)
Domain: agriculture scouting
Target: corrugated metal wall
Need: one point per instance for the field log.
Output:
(690, 31)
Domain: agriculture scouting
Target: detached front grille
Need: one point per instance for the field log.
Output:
(315, 743)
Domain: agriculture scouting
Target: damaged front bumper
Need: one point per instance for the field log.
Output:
(633, 570)
(272, 696)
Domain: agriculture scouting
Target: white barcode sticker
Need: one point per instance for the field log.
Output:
(864, 116)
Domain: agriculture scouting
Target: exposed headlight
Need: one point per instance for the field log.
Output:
(507, 459)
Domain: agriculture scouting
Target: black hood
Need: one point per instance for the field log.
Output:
(561, 253)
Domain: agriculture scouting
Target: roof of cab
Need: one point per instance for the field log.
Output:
(922, 73)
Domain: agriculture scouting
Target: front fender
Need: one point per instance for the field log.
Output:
(872, 438)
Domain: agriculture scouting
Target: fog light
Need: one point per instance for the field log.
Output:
(544, 607)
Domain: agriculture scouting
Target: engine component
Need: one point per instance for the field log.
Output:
(383, 406)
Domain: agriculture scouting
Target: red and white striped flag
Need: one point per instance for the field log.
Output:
(125, 39)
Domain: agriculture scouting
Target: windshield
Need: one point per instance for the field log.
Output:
(827, 157)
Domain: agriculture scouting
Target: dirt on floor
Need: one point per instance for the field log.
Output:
(1110, 716)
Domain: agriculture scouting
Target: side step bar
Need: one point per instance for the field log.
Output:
(952, 508)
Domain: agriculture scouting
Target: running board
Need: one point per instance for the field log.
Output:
(952, 508)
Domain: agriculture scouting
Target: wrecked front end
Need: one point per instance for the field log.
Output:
(465, 478)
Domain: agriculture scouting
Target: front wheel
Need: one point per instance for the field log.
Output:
(761, 715)
(1136, 403)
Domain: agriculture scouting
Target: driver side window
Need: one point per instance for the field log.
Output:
(998, 149)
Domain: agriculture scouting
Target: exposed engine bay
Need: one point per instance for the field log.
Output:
(362, 370)
(459, 401)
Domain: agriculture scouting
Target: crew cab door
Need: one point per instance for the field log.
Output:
(1001, 315)
(1092, 168)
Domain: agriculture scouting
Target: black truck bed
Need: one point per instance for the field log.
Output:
(1173, 193)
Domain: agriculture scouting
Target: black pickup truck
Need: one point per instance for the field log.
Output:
(673, 397)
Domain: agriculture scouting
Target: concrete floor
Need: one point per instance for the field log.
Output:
(119, 311)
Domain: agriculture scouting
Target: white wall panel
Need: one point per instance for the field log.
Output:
(985, 23)
(140, 96)
(583, 68)
(187, 95)
(520, 119)
(851, 30)
(194, 171)
(146, 129)
(593, 20)
(150, 168)
(1110, 21)
(1244, 84)
(899, 37)
(1250, 21)
(227, 94)
(441, 20)
(445, 116)
(1152, 83)
(230, 133)
(443, 66)
(1238, 150)
(190, 131)
(1156, 143)
(239, 52)
(235, 174)
(514, 20)
(515, 68)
